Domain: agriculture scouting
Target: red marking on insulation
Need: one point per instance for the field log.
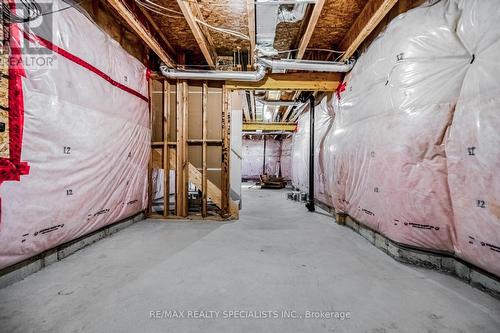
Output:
(45, 43)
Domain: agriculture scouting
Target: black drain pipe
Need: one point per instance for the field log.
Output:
(264, 159)
(310, 200)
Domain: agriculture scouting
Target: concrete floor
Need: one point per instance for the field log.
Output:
(276, 257)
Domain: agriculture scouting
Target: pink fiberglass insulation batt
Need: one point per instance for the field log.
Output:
(286, 158)
(473, 146)
(86, 138)
(386, 161)
(253, 158)
(323, 121)
(414, 148)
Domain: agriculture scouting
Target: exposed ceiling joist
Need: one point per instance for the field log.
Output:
(289, 127)
(246, 111)
(251, 28)
(252, 103)
(304, 42)
(371, 15)
(206, 48)
(289, 109)
(160, 33)
(291, 81)
(142, 31)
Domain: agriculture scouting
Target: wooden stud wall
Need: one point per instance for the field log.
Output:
(190, 134)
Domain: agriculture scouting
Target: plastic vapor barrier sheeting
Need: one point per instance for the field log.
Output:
(277, 154)
(286, 158)
(86, 137)
(473, 146)
(413, 150)
(323, 120)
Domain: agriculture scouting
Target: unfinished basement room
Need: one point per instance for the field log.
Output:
(250, 166)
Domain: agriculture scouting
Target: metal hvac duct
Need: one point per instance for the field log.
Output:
(260, 73)
(308, 65)
(278, 103)
(211, 75)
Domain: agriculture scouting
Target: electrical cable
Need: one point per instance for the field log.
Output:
(33, 10)
(164, 8)
(154, 10)
(224, 30)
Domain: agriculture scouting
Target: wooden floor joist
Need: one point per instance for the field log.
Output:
(204, 44)
(306, 38)
(141, 31)
(371, 15)
(251, 29)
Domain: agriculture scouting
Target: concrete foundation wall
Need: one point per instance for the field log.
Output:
(446, 263)
(32, 265)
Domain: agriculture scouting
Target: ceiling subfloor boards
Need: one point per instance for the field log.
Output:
(144, 33)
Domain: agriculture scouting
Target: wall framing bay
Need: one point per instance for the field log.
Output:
(190, 144)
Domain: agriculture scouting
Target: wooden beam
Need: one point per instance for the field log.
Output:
(181, 161)
(213, 192)
(251, 29)
(141, 30)
(226, 149)
(291, 81)
(258, 126)
(149, 209)
(160, 33)
(245, 101)
(195, 9)
(289, 109)
(371, 15)
(166, 152)
(207, 50)
(252, 103)
(204, 183)
(304, 42)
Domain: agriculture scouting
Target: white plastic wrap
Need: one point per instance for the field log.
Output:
(87, 141)
(300, 157)
(386, 160)
(253, 157)
(286, 158)
(323, 118)
(473, 148)
(414, 148)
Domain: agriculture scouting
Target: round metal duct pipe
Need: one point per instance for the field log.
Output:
(211, 75)
(308, 65)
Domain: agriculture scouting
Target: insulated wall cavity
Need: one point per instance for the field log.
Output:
(473, 147)
(86, 137)
(277, 157)
(323, 120)
(413, 148)
(387, 162)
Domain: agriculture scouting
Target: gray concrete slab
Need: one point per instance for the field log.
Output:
(276, 257)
